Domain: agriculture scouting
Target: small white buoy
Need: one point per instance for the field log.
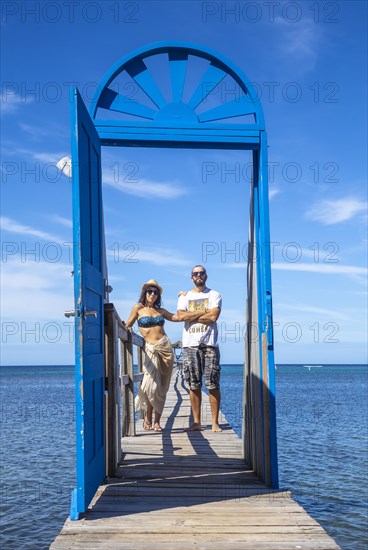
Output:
(65, 166)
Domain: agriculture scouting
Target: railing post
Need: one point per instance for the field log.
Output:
(119, 384)
(113, 441)
(128, 427)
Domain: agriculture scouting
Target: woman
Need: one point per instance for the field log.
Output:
(158, 356)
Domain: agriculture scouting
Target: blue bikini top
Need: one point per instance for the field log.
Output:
(147, 321)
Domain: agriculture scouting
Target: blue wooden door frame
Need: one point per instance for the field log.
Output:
(167, 123)
(88, 307)
(264, 297)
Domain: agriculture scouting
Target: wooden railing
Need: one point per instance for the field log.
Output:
(119, 384)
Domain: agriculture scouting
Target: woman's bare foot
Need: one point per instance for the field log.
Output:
(157, 427)
(196, 427)
(216, 428)
(146, 424)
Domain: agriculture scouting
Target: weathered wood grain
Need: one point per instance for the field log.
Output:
(182, 490)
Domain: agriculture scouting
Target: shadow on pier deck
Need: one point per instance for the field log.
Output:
(189, 490)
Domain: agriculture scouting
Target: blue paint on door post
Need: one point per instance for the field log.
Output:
(88, 303)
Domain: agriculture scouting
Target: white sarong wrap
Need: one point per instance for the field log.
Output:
(158, 362)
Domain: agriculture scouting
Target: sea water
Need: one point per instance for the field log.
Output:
(322, 426)
(322, 447)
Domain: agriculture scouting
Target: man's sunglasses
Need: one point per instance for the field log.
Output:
(198, 273)
(152, 291)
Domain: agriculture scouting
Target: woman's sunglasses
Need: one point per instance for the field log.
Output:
(152, 291)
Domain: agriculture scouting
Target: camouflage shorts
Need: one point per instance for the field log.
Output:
(202, 361)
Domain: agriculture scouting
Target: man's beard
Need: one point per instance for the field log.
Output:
(200, 283)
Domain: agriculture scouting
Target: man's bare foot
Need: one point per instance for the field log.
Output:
(196, 427)
(216, 428)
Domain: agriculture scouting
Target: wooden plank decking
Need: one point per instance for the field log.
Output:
(179, 490)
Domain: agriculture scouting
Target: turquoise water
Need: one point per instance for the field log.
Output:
(322, 429)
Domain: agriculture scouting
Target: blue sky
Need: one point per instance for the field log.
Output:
(166, 210)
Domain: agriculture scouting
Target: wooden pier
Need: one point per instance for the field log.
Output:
(179, 490)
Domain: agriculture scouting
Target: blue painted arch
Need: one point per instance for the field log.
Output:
(179, 110)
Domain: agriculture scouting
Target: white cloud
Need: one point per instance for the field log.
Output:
(156, 256)
(10, 102)
(14, 227)
(48, 130)
(273, 192)
(33, 276)
(44, 157)
(356, 272)
(321, 268)
(145, 188)
(161, 257)
(300, 40)
(315, 268)
(66, 222)
(330, 212)
(36, 291)
(231, 316)
(305, 309)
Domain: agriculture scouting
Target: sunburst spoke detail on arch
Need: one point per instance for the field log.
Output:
(178, 68)
(142, 76)
(211, 78)
(237, 107)
(117, 102)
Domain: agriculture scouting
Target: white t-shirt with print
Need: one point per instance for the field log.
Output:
(197, 333)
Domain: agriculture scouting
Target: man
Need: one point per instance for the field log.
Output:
(200, 348)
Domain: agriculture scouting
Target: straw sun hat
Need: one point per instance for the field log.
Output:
(151, 282)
